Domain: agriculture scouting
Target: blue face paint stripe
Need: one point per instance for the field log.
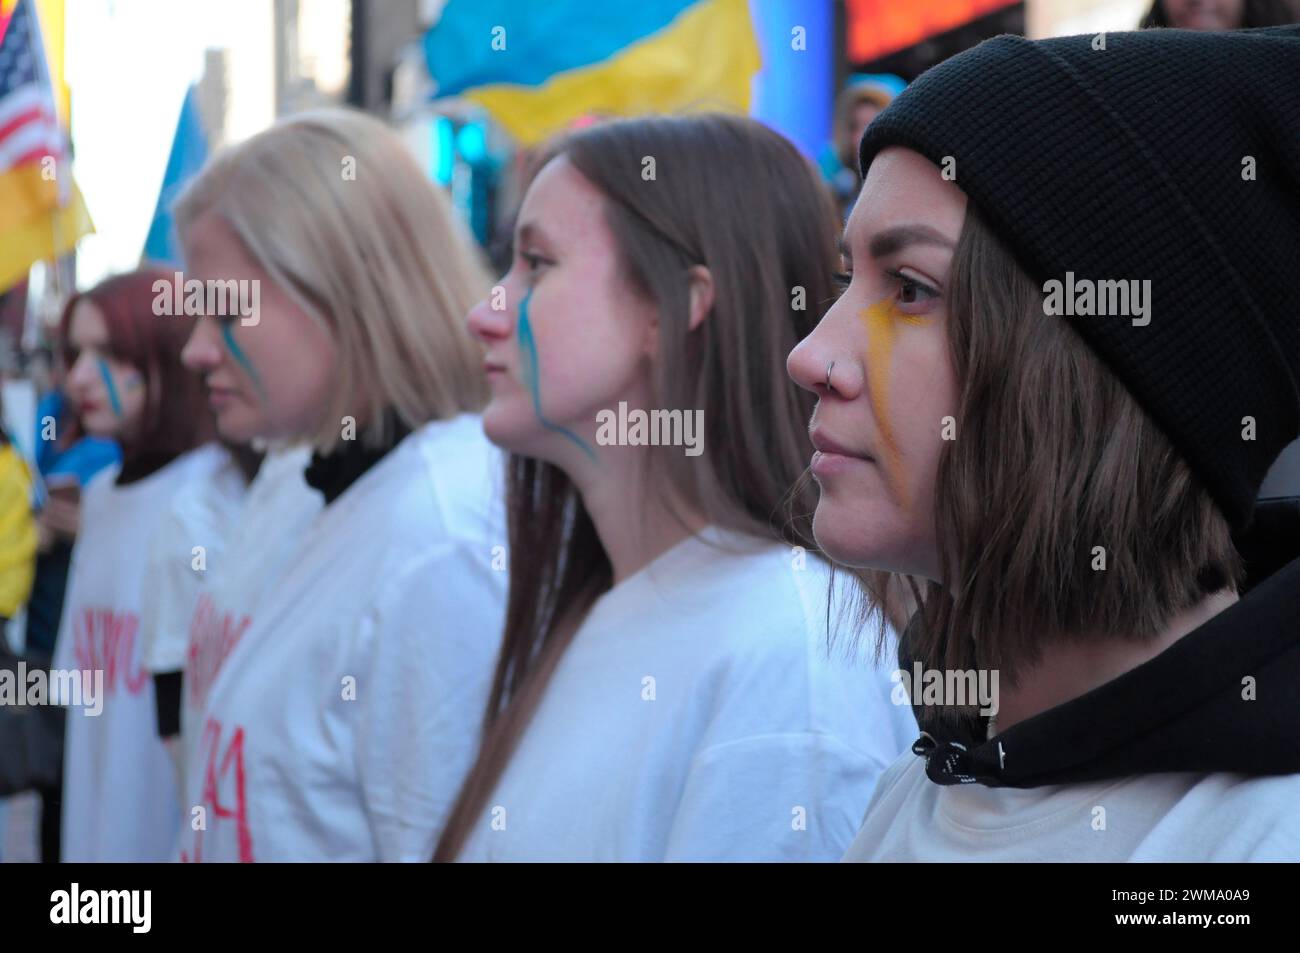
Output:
(113, 397)
(240, 357)
(529, 346)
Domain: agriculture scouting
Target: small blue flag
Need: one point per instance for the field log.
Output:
(189, 152)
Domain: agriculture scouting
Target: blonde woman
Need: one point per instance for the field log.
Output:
(341, 658)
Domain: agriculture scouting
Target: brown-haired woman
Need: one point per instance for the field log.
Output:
(664, 689)
(1046, 401)
(126, 380)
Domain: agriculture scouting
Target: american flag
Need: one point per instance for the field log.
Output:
(29, 123)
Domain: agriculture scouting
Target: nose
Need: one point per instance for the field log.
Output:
(828, 360)
(202, 352)
(492, 319)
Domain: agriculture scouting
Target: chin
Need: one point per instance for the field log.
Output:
(840, 542)
(504, 429)
(99, 424)
(236, 428)
(864, 539)
(512, 426)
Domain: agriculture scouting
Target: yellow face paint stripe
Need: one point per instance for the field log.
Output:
(881, 321)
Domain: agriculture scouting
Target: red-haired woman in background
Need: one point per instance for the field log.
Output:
(126, 380)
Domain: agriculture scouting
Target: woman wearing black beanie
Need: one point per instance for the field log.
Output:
(1067, 354)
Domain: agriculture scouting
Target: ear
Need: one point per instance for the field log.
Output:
(701, 303)
(702, 294)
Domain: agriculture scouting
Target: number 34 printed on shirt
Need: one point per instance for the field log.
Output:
(224, 798)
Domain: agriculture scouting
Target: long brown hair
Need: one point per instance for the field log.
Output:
(736, 197)
(1055, 471)
(176, 414)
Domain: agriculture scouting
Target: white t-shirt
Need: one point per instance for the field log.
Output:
(200, 517)
(1153, 817)
(119, 786)
(277, 509)
(698, 714)
(341, 725)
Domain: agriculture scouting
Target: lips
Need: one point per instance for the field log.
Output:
(219, 393)
(833, 457)
(827, 444)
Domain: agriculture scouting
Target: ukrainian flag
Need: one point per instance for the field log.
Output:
(538, 67)
(162, 245)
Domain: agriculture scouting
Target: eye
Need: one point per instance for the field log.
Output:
(841, 279)
(534, 261)
(912, 291)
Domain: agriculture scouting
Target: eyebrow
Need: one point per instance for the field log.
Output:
(893, 240)
(530, 231)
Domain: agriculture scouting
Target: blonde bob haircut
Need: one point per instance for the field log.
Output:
(335, 210)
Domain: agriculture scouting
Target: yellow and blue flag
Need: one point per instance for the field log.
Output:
(538, 67)
(189, 151)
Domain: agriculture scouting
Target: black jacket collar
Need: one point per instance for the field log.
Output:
(1225, 697)
(334, 472)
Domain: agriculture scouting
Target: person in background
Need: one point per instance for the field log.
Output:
(665, 690)
(855, 107)
(1219, 14)
(340, 696)
(18, 532)
(273, 516)
(127, 384)
(67, 459)
(66, 456)
(190, 544)
(17, 567)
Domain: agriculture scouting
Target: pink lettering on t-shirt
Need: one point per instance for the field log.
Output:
(213, 636)
(224, 773)
(105, 640)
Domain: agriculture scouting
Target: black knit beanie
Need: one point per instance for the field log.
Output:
(1165, 155)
